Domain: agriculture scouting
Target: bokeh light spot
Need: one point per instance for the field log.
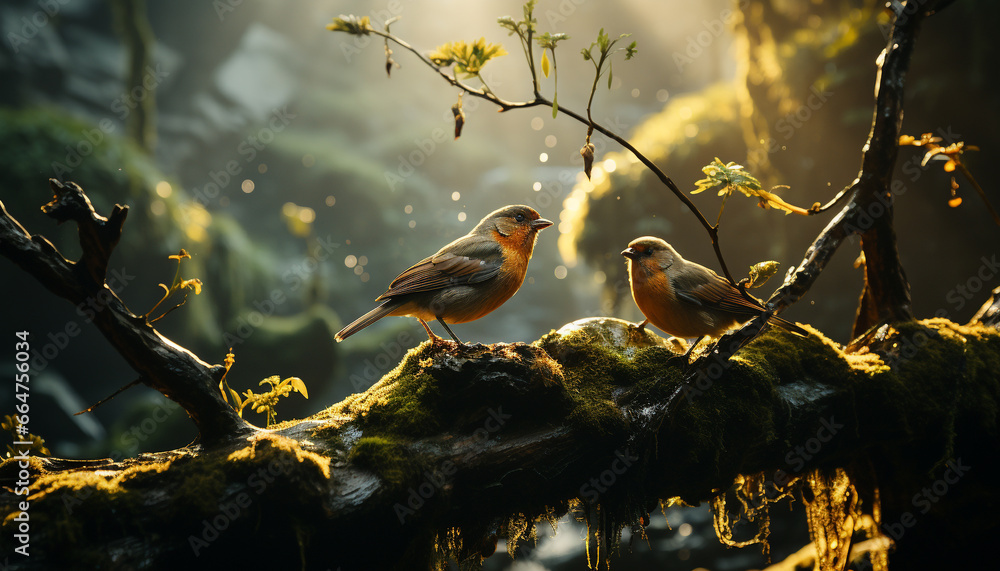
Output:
(163, 189)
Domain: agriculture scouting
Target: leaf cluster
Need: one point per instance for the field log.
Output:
(605, 48)
(732, 177)
(952, 155)
(267, 401)
(351, 24)
(10, 425)
(469, 58)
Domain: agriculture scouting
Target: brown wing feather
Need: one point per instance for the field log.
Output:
(717, 293)
(467, 260)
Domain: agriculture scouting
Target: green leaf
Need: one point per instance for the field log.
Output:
(731, 176)
(761, 272)
(630, 51)
(236, 399)
(602, 41)
(610, 74)
(555, 106)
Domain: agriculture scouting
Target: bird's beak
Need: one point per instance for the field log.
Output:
(630, 253)
(540, 223)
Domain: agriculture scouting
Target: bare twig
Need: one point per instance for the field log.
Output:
(109, 397)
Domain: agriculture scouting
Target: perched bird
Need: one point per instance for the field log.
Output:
(686, 299)
(466, 279)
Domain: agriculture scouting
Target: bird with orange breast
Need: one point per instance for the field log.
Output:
(467, 278)
(686, 299)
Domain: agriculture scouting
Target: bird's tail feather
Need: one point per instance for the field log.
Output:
(787, 326)
(366, 320)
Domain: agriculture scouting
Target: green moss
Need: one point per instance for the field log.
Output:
(947, 378)
(386, 457)
(405, 402)
(595, 367)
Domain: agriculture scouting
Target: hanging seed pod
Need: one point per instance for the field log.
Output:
(389, 62)
(587, 152)
(456, 110)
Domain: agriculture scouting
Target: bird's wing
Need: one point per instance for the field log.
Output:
(716, 292)
(468, 260)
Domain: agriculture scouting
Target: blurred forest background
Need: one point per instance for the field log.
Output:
(302, 180)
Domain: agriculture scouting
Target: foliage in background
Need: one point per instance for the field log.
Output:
(12, 427)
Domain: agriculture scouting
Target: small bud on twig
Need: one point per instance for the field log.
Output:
(587, 152)
(456, 110)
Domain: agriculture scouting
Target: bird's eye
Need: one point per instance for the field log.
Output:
(519, 217)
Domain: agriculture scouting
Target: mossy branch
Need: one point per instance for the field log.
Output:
(503, 437)
(160, 363)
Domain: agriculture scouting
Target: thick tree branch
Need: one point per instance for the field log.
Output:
(518, 432)
(162, 365)
(869, 209)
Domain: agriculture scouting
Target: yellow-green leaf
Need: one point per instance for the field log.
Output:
(761, 272)
(469, 58)
(351, 24)
(236, 398)
(731, 176)
(545, 63)
(298, 385)
(192, 284)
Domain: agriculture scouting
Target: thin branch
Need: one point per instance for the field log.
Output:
(538, 101)
(109, 397)
(982, 194)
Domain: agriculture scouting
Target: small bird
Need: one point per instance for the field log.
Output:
(686, 299)
(466, 279)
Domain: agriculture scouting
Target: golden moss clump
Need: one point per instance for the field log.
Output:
(401, 402)
(183, 489)
(276, 445)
